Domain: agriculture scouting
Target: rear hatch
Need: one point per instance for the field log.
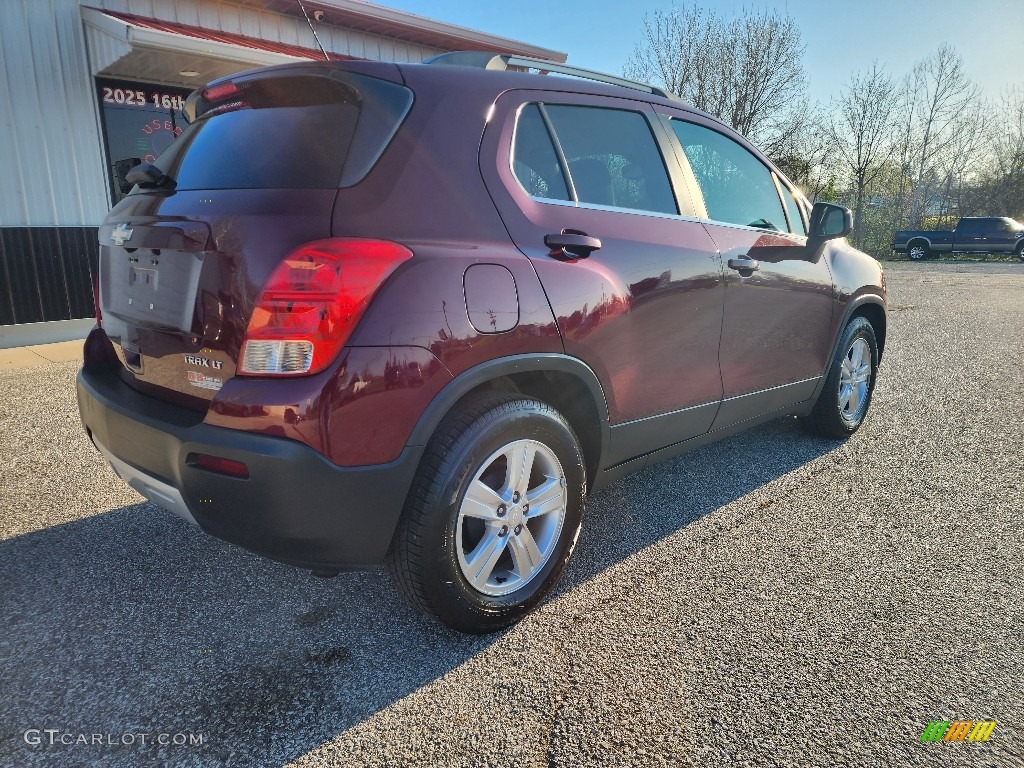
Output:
(184, 257)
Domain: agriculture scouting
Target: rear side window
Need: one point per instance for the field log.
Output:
(738, 188)
(534, 161)
(287, 132)
(611, 155)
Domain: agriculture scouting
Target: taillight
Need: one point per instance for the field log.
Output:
(312, 302)
(221, 92)
(226, 97)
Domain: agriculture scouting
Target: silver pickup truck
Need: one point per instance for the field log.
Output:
(975, 234)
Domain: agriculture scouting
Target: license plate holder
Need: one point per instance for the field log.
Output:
(156, 291)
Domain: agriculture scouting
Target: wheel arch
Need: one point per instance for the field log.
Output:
(563, 382)
(872, 310)
(871, 307)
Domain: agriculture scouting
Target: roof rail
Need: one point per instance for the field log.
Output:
(510, 61)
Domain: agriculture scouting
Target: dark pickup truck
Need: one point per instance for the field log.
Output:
(976, 234)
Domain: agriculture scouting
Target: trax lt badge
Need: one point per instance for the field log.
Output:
(203, 362)
(121, 235)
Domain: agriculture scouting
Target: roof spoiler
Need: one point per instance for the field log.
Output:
(514, 62)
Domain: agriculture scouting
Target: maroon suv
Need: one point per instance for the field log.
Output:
(364, 312)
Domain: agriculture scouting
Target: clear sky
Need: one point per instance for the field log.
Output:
(841, 37)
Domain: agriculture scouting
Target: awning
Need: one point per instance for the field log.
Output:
(141, 48)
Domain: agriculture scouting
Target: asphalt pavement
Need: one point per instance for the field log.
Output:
(771, 600)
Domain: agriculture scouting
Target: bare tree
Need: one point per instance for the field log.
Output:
(862, 133)
(746, 70)
(1005, 175)
(958, 165)
(896, 151)
(808, 155)
(941, 93)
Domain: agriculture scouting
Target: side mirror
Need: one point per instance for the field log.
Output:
(830, 221)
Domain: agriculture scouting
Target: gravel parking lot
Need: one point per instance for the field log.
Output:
(770, 600)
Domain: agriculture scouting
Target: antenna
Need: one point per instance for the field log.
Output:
(313, 30)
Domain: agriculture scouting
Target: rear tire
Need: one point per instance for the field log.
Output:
(844, 400)
(918, 251)
(481, 542)
(1020, 251)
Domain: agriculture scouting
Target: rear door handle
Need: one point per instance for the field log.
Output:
(572, 244)
(744, 264)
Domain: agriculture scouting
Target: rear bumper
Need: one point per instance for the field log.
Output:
(295, 507)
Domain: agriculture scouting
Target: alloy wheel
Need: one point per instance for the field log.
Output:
(511, 517)
(854, 381)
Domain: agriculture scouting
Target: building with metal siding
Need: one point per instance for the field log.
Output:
(67, 62)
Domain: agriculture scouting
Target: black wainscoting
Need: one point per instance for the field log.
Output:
(46, 273)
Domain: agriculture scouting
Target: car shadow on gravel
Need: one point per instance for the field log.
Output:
(129, 622)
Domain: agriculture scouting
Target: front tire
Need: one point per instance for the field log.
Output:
(493, 514)
(846, 395)
(1020, 251)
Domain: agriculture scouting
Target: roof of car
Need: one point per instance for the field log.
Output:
(501, 80)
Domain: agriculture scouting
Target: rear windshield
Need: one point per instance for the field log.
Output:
(285, 132)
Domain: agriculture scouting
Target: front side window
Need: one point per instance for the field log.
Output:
(796, 222)
(738, 188)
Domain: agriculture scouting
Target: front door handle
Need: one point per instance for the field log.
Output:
(744, 264)
(571, 244)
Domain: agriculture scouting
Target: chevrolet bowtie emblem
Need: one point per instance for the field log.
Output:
(121, 235)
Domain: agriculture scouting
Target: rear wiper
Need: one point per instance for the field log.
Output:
(148, 176)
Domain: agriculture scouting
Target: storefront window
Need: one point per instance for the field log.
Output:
(139, 121)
